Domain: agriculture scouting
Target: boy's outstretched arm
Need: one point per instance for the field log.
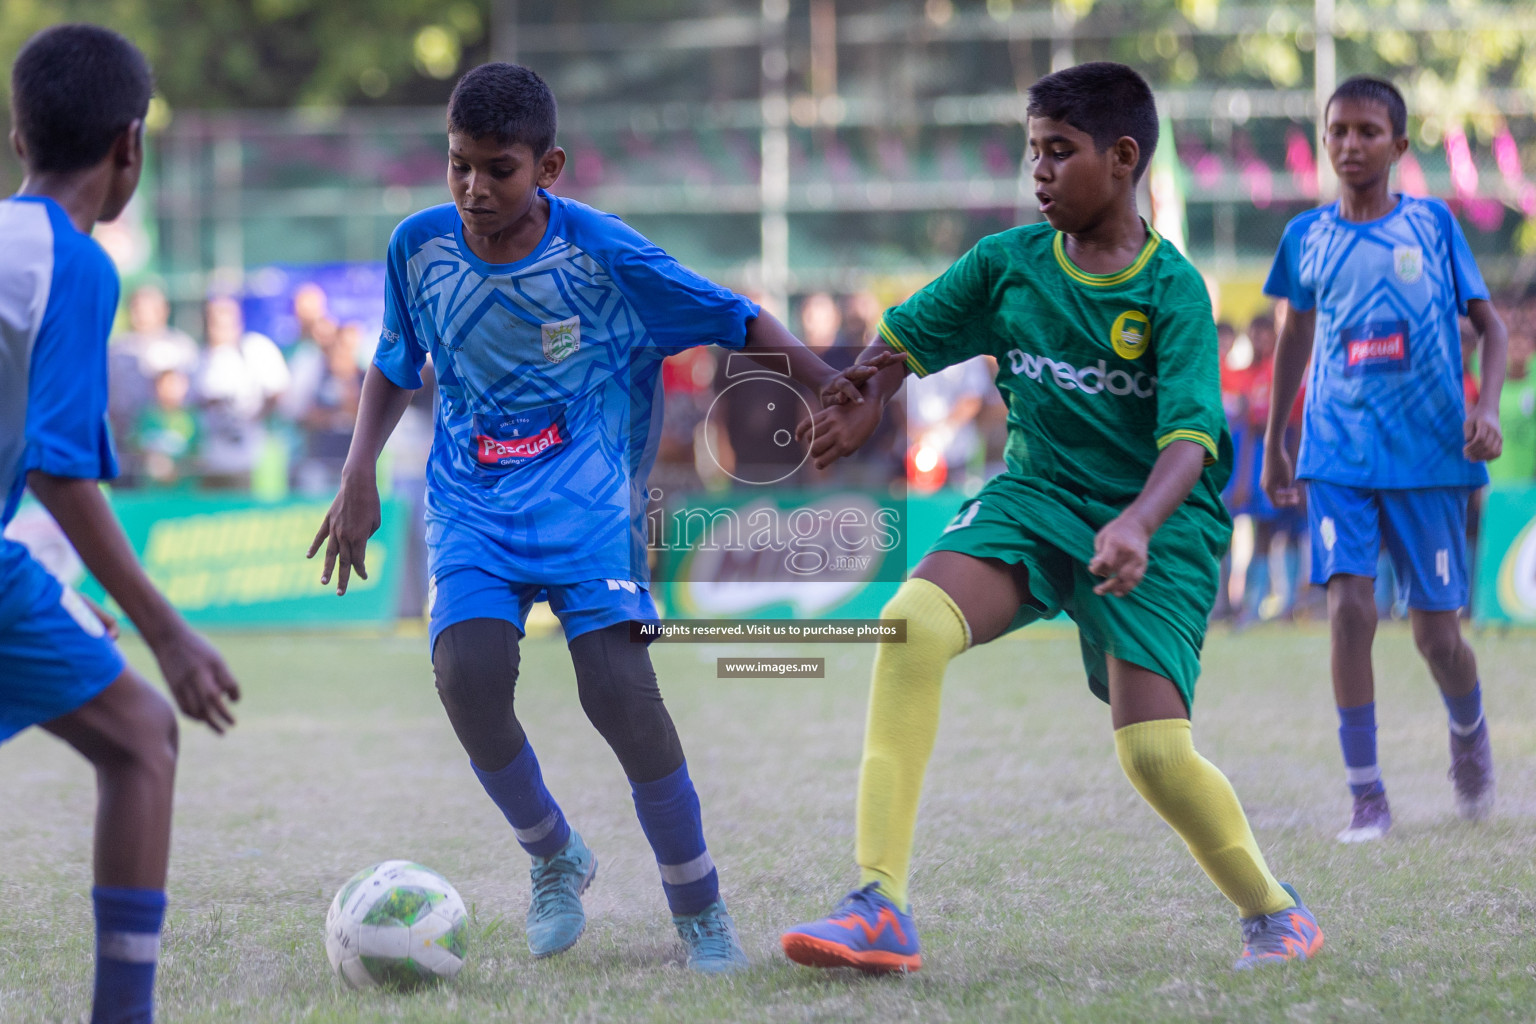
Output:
(194, 671)
(767, 336)
(1293, 351)
(354, 515)
(1485, 440)
(1120, 548)
(840, 429)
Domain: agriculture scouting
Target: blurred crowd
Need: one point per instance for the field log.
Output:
(220, 412)
(236, 408)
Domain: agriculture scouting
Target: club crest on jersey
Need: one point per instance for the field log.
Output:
(1408, 263)
(561, 339)
(1130, 334)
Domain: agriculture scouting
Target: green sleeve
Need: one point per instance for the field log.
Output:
(1188, 377)
(944, 323)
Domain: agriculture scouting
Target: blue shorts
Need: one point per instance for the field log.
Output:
(55, 657)
(1424, 529)
(469, 593)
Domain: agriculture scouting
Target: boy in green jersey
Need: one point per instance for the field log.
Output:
(1110, 510)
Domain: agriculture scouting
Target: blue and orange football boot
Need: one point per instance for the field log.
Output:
(866, 931)
(1289, 934)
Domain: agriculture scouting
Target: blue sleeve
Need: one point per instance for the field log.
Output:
(67, 433)
(400, 355)
(1464, 272)
(1284, 281)
(680, 309)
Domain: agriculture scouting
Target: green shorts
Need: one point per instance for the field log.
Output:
(1049, 531)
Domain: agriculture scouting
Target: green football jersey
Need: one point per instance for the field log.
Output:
(1100, 371)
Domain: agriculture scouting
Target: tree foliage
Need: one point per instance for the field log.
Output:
(280, 53)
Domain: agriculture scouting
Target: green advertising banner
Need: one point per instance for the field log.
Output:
(724, 559)
(232, 562)
(1506, 563)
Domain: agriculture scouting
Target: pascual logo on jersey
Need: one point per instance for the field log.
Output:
(561, 339)
(493, 452)
(1408, 263)
(1089, 379)
(1130, 334)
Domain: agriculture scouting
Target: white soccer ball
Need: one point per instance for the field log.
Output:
(396, 924)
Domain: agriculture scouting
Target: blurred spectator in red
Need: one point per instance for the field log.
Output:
(241, 378)
(1234, 402)
(687, 384)
(945, 445)
(1271, 526)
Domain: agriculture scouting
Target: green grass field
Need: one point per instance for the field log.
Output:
(1044, 888)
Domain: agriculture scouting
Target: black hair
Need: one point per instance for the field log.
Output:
(505, 102)
(1374, 90)
(1264, 320)
(74, 89)
(1104, 99)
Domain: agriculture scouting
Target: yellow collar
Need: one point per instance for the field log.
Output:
(1059, 247)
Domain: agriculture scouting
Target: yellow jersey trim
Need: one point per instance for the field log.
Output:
(1059, 247)
(890, 339)
(1200, 437)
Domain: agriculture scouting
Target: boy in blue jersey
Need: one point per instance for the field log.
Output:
(78, 99)
(1376, 282)
(547, 322)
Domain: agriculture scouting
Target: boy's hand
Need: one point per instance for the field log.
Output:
(845, 387)
(1485, 440)
(198, 678)
(352, 519)
(1120, 555)
(838, 430)
(1278, 477)
(106, 618)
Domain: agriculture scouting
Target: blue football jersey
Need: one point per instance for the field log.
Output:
(58, 295)
(548, 373)
(1384, 405)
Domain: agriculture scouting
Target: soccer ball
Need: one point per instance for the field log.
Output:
(396, 924)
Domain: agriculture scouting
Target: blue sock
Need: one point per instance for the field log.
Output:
(127, 947)
(518, 789)
(669, 815)
(1466, 712)
(1357, 736)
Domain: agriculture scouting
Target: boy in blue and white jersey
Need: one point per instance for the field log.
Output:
(78, 99)
(1377, 282)
(547, 322)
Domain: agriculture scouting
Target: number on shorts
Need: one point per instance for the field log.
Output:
(964, 518)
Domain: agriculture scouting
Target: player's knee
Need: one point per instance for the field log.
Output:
(143, 737)
(1154, 754)
(473, 662)
(936, 628)
(1352, 609)
(617, 688)
(1440, 644)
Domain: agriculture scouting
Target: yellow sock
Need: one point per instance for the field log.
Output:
(1194, 797)
(898, 736)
